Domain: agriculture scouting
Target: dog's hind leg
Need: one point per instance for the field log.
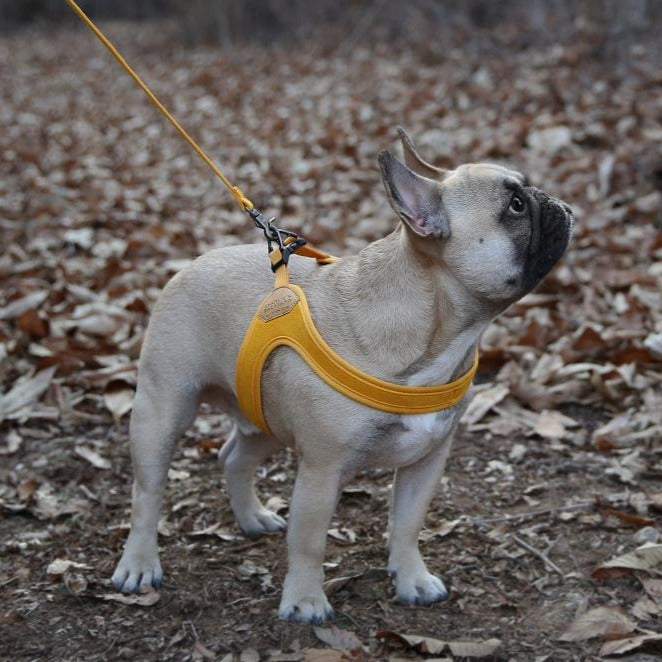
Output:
(241, 455)
(164, 407)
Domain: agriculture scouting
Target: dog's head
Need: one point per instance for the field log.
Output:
(495, 233)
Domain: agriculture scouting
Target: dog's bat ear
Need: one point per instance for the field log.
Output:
(416, 200)
(413, 160)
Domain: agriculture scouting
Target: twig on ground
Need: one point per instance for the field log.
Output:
(541, 555)
(582, 505)
(551, 545)
(194, 632)
(251, 599)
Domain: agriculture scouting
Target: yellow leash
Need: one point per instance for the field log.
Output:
(237, 193)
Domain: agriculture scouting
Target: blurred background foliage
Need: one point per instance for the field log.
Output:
(612, 26)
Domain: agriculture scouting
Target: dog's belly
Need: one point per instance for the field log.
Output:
(406, 439)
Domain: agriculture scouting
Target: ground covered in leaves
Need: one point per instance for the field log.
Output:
(556, 471)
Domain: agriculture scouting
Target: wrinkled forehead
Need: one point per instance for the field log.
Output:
(491, 179)
(485, 172)
(472, 186)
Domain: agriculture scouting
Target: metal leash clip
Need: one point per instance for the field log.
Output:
(275, 235)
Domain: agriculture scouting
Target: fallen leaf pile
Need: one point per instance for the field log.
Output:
(621, 633)
(557, 466)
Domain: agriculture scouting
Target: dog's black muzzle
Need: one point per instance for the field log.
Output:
(551, 228)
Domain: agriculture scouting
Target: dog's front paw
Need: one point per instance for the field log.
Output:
(310, 608)
(137, 572)
(260, 522)
(419, 588)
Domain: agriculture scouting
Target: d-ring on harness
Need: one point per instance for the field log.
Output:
(283, 317)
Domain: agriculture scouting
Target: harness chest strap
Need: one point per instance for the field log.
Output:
(284, 318)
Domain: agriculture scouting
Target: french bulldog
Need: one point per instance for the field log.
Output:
(410, 308)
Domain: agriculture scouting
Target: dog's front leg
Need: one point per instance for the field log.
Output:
(313, 502)
(413, 489)
(162, 410)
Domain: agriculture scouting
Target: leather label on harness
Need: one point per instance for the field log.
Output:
(280, 302)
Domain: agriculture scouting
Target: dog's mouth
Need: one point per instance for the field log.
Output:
(551, 228)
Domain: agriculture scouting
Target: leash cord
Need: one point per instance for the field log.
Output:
(245, 204)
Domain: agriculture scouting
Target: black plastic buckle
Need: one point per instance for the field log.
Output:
(275, 235)
(288, 250)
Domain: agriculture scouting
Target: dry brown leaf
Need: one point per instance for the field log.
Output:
(92, 457)
(60, 566)
(656, 501)
(628, 518)
(653, 588)
(75, 582)
(418, 642)
(610, 435)
(31, 323)
(276, 504)
(599, 622)
(115, 369)
(178, 474)
(249, 568)
(620, 646)
(202, 651)
(645, 557)
(25, 392)
(588, 340)
(19, 306)
(26, 488)
(118, 399)
(339, 639)
(216, 530)
(141, 600)
(644, 608)
(549, 425)
(444, 528)
(483, 401)
(653, 343)
(13, 441)
(334, 585)
(432, 646)
(475, 649)
(343, 535)
(47, 504)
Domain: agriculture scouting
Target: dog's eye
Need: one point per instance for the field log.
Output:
(517, 205)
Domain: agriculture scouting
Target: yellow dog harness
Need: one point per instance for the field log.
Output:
(284, 318)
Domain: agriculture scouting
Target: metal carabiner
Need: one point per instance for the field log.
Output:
(274, 234)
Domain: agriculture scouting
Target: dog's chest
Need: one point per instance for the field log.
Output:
(413, 436)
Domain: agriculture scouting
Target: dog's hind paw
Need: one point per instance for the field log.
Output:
(260, 522)
(306, 610)
(422, 589)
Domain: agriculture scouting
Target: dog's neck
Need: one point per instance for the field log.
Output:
(410, 315)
